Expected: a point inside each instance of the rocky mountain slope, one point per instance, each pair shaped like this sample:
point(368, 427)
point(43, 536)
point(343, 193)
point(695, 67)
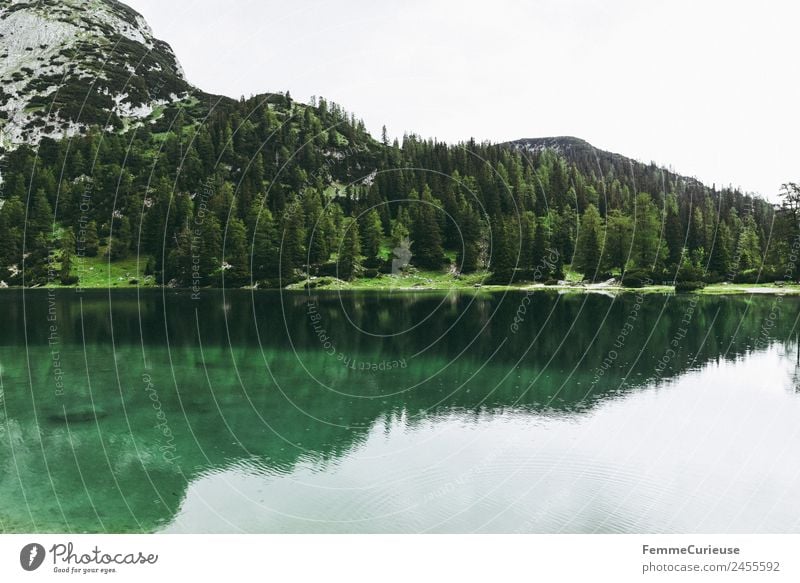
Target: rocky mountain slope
point(67, 65)
point(601, 163)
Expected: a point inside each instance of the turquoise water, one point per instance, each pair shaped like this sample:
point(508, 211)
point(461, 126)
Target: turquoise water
point(377, 412)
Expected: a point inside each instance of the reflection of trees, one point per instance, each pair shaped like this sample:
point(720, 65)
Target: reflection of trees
point(223, 405)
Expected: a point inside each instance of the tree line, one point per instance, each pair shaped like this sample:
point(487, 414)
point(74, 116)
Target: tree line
point(267, 190)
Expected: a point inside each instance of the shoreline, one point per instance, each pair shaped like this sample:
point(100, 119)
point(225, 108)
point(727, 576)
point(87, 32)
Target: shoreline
point(599, 288)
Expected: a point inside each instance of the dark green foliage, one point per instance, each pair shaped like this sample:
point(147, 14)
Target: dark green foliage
point(688, 286)
point(349, 252)
point(426, 234)
point(636, 278)
point(588, 247)
point(261, 189)
point(90, 245)
point(120, 241)
point(371, 231)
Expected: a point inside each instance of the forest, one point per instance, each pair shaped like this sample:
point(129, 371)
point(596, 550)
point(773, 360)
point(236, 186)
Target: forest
point(268, 191)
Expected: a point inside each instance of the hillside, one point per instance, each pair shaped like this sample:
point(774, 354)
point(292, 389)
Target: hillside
point(68, 65)
point(112, 158)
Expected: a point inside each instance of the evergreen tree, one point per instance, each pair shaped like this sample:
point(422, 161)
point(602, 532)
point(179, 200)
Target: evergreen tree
point(719, 262)
point(178, 263)
point(371, 230)
point(207, 245)
point(349, 252)
point(673, 233)
point(67, 246)
point(265, 248)
point(120, 242)
point(12, 217)
point(619, 229)
point(541, 243)
point(400, 230)
point(528, 230)
point(91, 242)
point(40, 220)
point(426, 234)
point(588, 246)
point(469, 253)
point(503, 256)
point(648, 251)
point(293, 249)
point(236, 260)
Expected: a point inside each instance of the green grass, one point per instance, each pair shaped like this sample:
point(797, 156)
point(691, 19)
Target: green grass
point(746, 288)
point(413, 280)
point(99, 272)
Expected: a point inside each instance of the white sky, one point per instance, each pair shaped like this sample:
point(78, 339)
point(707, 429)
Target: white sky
point(710, 88)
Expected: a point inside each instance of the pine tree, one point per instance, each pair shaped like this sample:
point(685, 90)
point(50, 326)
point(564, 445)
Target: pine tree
point(719, 262)
point(67, 246)
point(120, 241)
point(588, 247)
point(673, 232)
point(207, 244)
point(12, 218)
point(40, 221)
point(426, 234)
point(503, 256)
point(236, 260)
point(265, 249)
point(293, 249)
point(541, 243)
point(178, 263)
point(648, 250)
point(371, 230)
point(91, 242)
point(619, 229)
point(528, 229)
point(469, 254)
point(349, 252)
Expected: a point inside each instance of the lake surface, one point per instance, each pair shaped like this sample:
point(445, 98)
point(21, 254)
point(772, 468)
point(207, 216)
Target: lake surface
point(408, 412)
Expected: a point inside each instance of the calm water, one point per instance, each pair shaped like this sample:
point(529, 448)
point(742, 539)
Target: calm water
point(434, 412)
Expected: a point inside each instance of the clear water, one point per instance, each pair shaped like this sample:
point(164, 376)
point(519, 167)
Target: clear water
point(370, 412)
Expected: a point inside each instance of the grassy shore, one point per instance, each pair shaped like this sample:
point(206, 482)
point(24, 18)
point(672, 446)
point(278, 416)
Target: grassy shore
point(422, 281)
point(100, 273)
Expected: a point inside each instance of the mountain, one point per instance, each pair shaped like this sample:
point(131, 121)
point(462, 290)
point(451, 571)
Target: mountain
point(67, 65)
point(175, 186)
point(601, 163)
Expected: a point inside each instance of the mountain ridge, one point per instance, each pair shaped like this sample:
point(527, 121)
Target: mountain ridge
point(590, 158)
point(73, 64)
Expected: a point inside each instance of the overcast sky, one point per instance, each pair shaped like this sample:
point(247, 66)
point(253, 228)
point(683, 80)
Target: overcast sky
point(710, 88)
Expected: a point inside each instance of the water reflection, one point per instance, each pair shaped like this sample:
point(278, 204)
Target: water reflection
point(446, 412)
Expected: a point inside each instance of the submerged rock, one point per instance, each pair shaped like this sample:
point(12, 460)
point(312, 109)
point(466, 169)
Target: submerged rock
point(82, 415)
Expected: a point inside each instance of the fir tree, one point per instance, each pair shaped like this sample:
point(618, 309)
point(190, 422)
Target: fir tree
point(588, 246)
point(371, 230)
point(349, 252)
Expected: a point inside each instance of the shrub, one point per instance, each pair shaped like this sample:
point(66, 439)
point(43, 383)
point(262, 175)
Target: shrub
point(752, 276)
point(328, 268)
point(688, 286)
point(374, 263)
point(636, 278)
point(501, 277)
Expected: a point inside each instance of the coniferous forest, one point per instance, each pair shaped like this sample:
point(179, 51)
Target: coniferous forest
point(268, 191)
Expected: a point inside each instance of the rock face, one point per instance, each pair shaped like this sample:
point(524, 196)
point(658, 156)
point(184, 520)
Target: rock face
point(67, 65)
